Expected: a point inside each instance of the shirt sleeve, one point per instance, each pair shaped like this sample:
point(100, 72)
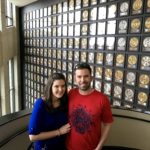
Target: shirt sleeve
point(106, 112)
point(36, 118)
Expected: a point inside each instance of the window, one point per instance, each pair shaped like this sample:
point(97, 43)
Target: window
point(0, 96)
point(11, 86)
point(9, 13)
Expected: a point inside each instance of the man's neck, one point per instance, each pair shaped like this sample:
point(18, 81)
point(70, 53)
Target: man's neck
point(87, 92)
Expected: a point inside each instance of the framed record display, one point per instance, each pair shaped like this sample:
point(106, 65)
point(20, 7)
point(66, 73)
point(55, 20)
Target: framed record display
point(111, 35)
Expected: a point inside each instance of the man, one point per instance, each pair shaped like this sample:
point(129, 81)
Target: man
point(89, 113)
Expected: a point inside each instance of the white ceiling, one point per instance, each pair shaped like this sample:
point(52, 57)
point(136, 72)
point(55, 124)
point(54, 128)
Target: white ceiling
point(21, 3)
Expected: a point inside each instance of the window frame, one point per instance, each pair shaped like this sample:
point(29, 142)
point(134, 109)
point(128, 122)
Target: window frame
point(11, 86)
point(9, 13)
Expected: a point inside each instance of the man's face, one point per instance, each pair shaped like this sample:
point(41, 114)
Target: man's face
point(83, 79)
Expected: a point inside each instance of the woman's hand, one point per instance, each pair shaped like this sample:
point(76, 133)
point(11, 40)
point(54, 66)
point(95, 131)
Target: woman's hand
point(64, 129)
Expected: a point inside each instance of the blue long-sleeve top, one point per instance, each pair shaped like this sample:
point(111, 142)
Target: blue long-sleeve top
point(41, 121)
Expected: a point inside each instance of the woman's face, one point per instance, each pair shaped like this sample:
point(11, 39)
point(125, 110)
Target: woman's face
point(58, 88)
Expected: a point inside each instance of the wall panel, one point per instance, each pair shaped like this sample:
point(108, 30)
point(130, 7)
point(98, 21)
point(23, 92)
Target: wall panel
point(111, 35)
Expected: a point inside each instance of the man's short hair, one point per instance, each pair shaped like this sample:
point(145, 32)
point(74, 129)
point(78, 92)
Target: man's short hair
point(82, 66)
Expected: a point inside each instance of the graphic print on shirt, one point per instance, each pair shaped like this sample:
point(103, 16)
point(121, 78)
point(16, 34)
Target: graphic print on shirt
point(81, 119)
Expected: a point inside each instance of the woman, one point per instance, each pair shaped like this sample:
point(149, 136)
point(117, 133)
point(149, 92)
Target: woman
point(48, 123)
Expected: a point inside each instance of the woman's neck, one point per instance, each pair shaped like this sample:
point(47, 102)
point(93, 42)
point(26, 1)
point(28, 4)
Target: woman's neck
point(55, 102)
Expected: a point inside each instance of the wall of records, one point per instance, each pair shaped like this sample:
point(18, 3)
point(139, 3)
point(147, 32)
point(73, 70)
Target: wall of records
point(113, 36)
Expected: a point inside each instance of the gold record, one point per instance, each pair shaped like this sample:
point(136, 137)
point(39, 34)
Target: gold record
point(78, 3)
point(85, 14)
point(148, 3)
point(85, 2)
point(64, 42)
point(142, 97)
point(112, 9)
point(84, 42)
point(98, 71)
point(147, 23)
point(54, 9)
point(84, 28)
point(70, 42)
point(144, 79)
point(77, 42)
point(132, 60)
point(120, 58)
point(71, 3)
point(99, 57)
point(70, 55)
point(137, 5)
point(93, 1)
point(69, 77)
point(54, 31)
point(41, 61)
point(83, 56)
point(76, 56)
point(134, 42)
point(119, 75)
point(59, 54)
point(108, 73)
point(135, 23)
point(59, 7)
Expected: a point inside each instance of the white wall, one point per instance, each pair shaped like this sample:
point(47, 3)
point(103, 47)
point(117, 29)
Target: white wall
point(9, 48)
point(0, 50)
point(129, 132)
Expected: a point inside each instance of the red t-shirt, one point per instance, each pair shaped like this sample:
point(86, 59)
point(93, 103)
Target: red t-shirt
point(86, 113)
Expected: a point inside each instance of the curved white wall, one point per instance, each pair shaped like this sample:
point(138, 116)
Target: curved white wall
point(129, 131)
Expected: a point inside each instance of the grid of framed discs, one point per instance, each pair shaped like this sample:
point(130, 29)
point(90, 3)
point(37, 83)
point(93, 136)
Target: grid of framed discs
point(113, 36)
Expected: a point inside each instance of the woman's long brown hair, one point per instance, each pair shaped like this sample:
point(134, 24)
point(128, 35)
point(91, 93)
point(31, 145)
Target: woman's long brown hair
point(48, 93)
